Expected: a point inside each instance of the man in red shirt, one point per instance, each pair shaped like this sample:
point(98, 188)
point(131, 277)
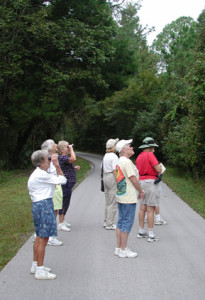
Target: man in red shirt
point(149, 169)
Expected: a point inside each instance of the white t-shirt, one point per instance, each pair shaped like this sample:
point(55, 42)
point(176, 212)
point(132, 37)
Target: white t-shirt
point(110, 160)
point(41, 184)
point(126, 192)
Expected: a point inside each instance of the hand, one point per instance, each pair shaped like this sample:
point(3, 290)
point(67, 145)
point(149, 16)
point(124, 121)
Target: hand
point(141, 194)
point(77, 168)
point(54, 159)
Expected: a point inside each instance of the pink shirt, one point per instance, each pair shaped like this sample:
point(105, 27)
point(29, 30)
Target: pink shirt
point(145, 163)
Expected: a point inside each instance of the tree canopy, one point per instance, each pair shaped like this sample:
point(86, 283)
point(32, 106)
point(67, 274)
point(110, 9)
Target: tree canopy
point(81, 70)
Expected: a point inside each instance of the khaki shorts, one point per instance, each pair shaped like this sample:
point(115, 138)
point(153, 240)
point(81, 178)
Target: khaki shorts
point(58, 198)
point(152, 193)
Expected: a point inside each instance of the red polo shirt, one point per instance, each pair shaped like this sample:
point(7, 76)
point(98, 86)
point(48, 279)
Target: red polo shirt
point(145, 163)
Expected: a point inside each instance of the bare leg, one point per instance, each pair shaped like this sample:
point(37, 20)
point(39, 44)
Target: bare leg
point(39, 250)
point(118, 236)
point(150, 216)
point(61, 218)
point(143, 208)
point(157, 210)
point(124, 238)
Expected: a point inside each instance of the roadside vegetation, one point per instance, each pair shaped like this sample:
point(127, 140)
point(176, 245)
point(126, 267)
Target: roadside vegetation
point(187, 188)
point(16, 224)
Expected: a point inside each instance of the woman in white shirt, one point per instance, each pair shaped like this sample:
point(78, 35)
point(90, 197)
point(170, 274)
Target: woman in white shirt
point(109, 163)
point(41, 186)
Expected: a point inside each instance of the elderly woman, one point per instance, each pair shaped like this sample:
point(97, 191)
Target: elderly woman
point(109, 163)
point(52, 148)
point(149, 169)
point(67, 158)
point(128, 190)
point(41, 186)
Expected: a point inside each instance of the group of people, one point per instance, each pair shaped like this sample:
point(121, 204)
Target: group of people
point(50, 188)
point(126, 183)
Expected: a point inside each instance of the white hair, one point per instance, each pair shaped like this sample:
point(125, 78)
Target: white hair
point(38, 156)
point(47, 145)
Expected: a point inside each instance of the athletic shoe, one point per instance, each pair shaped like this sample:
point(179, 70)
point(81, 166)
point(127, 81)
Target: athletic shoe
point(53, 241)
point(117, 251)
point(63, 227)
point(142, 235)
point(112, 227)
point(33, 269)
point(67, 224)
point(152, 239)
point(160, 222)
point(45, 275)
point(126, 253)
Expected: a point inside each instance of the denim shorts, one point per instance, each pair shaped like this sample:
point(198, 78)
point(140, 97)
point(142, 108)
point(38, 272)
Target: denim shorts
point(44, 218)
point(126, 216)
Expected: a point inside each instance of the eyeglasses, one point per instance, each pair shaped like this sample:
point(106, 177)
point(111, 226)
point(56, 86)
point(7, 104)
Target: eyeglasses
point(49, 158)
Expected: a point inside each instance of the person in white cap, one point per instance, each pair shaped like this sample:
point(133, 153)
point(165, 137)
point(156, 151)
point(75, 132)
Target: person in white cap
point(109, 163)
point(128, 190)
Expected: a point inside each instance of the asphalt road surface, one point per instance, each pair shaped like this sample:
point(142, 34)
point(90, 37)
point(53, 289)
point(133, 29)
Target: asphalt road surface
point(86, 268)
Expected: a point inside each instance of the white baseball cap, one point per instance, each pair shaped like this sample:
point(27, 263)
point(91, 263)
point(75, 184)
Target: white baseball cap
point(111, 143)
point(122, 143)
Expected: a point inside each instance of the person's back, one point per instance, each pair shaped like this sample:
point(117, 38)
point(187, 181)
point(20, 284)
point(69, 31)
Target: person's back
point(145, 163)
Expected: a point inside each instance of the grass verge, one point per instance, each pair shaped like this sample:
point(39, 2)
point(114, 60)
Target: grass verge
point(16, 224)
point(189, 189)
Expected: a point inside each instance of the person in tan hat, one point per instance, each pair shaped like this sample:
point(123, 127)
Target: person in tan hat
point(109, 163)
point(149, 169)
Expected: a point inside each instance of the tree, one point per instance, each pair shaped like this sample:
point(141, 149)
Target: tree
point(50, 54)
point(175, 46)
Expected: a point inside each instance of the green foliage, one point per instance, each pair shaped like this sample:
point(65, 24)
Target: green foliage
point(49, 52)
point(81, 70)
point(175, 44)
point(190, 189)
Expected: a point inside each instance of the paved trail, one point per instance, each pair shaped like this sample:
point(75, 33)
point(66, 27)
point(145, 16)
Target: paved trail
point(86, 268)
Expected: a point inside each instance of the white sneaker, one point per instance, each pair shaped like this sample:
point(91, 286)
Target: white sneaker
point(117, 251)
point(63, 227)
point(53, 241)
point(112, 227)
point(153, 239)
point(67, 224)
point(160, 222)
point(45, 275)
point(127, 253)
point(142, 235)
point(33, 269)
